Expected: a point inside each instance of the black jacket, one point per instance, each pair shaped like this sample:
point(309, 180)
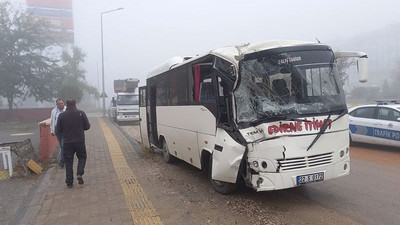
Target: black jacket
point(71, 124)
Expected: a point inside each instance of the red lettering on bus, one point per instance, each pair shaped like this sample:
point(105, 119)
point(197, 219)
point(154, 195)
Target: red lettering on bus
point(315, 124)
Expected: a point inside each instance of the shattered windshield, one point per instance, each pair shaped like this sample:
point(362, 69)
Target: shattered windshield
point(297, 83)
point(128, 100)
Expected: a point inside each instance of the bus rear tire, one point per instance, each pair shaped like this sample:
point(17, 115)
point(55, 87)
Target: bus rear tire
point(220, 186)
point(168, 158)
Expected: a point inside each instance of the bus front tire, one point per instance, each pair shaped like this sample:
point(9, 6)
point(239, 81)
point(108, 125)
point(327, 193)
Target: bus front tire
point(220, 186)
point(168, 158)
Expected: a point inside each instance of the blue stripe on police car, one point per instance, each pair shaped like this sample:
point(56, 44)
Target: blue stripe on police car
point(375, 132)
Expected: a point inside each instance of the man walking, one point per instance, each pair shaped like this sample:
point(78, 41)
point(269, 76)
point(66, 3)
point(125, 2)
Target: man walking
point(53, 122)
point(71, 124)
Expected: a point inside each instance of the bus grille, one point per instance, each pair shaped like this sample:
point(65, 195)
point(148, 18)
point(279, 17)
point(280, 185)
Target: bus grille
point(305, 162)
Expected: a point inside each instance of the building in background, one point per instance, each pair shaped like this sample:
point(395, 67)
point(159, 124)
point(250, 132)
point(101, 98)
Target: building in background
point(58, 14)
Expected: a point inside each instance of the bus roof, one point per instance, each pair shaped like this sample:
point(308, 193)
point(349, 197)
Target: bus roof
point(229, 53)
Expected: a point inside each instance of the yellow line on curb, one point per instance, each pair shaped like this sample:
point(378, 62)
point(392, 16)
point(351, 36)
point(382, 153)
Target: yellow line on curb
point(141, 209)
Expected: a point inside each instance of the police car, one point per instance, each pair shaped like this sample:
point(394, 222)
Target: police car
point(376, 124)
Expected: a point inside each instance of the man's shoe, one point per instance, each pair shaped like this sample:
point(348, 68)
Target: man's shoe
point(61, 165)
point(69, 186)
point(80, 179)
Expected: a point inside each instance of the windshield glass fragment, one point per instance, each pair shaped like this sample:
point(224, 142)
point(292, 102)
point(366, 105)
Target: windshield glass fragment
point(296, 83)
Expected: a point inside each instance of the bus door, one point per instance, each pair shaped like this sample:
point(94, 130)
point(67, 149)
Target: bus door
point(143, 116)
point(228, 152)
point(152, 115)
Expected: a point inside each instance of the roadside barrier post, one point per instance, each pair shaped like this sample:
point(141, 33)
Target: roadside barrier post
point(48, 143)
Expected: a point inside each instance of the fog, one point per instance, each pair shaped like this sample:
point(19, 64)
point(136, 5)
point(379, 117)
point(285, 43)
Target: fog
point(146, 33)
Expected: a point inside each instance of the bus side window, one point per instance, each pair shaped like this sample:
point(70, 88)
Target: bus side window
point(203, 90)
point(206, 90)
point(162, 90)
point(222, 99)
point(178, 87)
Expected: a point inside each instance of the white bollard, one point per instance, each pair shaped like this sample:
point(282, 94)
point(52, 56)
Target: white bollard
point(6, 152)
point(4, 161)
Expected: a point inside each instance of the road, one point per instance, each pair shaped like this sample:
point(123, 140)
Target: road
point(16, 132)
point(369, 195)
point(13, 132)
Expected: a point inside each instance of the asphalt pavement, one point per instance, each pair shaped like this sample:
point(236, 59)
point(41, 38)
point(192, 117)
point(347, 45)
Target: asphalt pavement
point(13, 132)
point(370, 193)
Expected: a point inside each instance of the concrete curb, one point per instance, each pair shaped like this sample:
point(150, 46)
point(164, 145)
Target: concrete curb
point(32, 203)
point(131, 140)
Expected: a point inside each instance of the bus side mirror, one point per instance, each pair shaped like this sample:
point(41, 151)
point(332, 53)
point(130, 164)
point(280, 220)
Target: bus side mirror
point(362, 63)
point(362, 68)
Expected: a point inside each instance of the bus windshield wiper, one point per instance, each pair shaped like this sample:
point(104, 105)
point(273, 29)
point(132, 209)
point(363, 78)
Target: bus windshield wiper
point(323, 129)
point(325, 126)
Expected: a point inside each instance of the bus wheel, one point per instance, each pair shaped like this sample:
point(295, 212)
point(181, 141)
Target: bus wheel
point(220, 186)
point(168, 158)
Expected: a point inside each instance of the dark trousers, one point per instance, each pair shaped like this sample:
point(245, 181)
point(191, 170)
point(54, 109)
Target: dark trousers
point(69, 150)
point(60, 142)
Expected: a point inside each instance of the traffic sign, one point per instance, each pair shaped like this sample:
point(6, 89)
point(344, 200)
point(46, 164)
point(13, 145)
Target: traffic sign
point(103, 95)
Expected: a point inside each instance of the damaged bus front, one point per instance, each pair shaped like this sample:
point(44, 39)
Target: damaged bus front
point(290, 110)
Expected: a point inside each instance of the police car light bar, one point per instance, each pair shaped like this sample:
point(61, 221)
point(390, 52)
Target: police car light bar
point(387, 101)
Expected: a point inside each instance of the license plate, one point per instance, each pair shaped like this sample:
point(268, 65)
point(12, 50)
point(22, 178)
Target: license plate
point(314, 177)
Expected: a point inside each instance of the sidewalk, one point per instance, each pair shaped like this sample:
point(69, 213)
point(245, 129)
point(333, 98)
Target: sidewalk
point(110, 195)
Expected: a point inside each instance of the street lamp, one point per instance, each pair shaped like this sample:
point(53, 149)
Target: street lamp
point(102, 58)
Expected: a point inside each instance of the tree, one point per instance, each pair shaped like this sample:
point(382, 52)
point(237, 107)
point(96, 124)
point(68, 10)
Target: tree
point(25, 67)
point(73, 83)
point(343, 64)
